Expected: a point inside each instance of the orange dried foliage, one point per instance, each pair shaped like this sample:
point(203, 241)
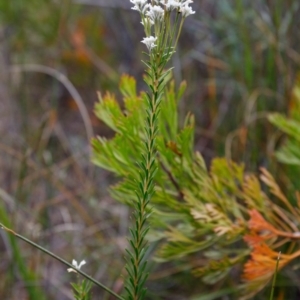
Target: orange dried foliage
point(258, 223)
point(79, 53)
point(263, 262)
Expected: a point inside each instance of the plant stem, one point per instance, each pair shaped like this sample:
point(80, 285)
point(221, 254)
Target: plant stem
point(136, 264)
point(274, 278)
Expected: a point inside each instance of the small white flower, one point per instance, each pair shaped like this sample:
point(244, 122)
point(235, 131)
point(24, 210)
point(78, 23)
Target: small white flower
point(146, 7)
point(171, 4)
point(76, 265)
point(155, 13)
point(150, 42)
point(186, 10)
point(139, 5)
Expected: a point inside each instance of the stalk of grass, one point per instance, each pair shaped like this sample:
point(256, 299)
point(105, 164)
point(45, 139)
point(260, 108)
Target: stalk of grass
point(13, 233)
point(274, 278)
point(67, 84)
point(247, 49)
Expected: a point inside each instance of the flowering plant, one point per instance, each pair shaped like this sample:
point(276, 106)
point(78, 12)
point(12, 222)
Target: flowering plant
point(81, 290)
point(161, 39)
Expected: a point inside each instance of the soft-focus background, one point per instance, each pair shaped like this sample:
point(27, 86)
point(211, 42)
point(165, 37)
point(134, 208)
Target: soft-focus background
point(240, 59)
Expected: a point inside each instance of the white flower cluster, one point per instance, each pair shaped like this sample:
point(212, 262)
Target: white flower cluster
point(156, 11)
point(153, 12)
